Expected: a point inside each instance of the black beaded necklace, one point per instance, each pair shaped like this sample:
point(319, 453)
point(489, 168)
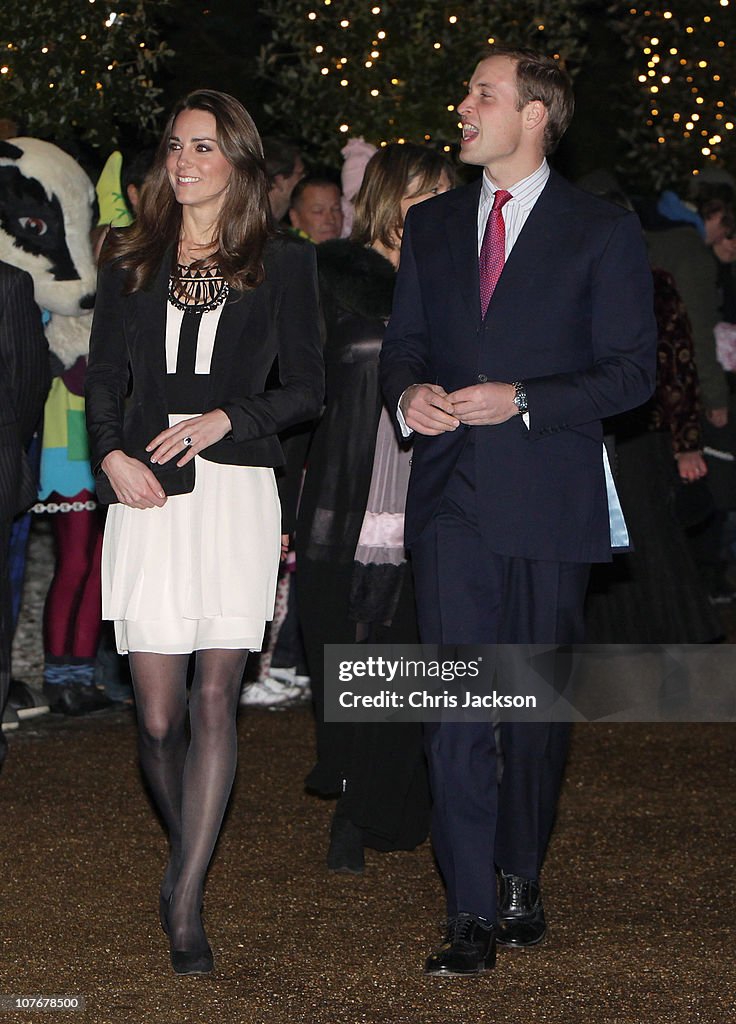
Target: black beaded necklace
point(202, 289)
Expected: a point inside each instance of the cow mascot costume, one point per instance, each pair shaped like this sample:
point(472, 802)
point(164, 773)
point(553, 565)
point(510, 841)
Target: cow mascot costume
point(47, 210)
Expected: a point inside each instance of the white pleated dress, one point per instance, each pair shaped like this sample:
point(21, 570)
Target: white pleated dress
point(200, 572)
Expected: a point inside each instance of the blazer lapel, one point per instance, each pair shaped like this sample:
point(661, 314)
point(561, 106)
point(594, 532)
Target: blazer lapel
point(150, 321)
point(536, 244)
point(230, 328)
point(461, 226)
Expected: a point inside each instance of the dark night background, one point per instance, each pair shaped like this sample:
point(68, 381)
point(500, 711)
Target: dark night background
point(216, 45)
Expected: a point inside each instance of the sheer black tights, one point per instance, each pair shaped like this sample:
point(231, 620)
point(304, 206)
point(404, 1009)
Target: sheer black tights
point(190, 778)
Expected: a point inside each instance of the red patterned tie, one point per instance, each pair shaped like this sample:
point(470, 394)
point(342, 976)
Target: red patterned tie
point(493, 250)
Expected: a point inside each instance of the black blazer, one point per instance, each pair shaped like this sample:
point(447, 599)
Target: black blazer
point(572, 316)
point(126, 379)
point(24, 383)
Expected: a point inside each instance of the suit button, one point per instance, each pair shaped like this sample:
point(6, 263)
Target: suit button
point(482, 378)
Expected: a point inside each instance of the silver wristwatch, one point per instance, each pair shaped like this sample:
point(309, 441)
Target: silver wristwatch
point(520, 400)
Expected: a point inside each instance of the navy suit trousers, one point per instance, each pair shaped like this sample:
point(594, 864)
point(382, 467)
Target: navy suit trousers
point(469, 594)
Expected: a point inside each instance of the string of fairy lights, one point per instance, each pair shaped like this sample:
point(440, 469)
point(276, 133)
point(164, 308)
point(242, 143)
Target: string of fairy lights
point(339, 64)
point(114, 18)
point(677, 65)
point(679, 68)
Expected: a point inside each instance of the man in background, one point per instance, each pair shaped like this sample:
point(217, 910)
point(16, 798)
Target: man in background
point(285, 169)
point(24, 384)
point(316, 209)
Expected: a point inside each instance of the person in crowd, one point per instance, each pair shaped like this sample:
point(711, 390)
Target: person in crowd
point(353, 579)
point(681, 238)
point(195, 302)
point(652, 593)
point(355, 156)
point(136, 166)
point(315, 211)
point(24, 383)
point(522, 316)
point(280, 674)
point(285, 169)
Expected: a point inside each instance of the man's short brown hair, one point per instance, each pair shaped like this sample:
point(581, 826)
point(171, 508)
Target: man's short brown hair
point(539, 77)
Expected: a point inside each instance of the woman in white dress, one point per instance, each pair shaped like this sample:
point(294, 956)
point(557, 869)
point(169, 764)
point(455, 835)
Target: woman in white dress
point(196, 302)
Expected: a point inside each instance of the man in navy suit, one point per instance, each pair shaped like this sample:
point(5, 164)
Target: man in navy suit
point(522, 316)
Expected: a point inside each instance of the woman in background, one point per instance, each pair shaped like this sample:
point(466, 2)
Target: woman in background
point(353, 579)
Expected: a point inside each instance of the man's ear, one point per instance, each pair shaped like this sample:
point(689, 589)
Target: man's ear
point(535, 114)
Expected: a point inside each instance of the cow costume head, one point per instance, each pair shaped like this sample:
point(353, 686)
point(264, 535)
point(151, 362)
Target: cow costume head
point(47, 209)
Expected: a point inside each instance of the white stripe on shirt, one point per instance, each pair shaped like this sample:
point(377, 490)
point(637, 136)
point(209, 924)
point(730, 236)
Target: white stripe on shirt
point(515, 212)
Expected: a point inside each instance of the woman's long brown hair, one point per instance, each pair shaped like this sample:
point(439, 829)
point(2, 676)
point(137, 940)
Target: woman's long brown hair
point(244, 222)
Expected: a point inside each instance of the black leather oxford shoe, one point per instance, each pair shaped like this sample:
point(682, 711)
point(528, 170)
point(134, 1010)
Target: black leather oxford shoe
point(521, 920)
point(469, 948)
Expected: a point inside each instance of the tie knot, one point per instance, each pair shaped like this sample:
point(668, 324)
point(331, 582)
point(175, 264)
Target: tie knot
point(500, 198)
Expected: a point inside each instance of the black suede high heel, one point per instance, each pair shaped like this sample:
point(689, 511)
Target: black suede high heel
point(186, 961)
point(192, 961)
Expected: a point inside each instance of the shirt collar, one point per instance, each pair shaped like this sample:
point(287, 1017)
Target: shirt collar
point(525, 192)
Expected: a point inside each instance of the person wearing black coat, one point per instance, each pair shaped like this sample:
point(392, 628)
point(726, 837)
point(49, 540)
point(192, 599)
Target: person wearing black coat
point(24, 384)
point(353, 580)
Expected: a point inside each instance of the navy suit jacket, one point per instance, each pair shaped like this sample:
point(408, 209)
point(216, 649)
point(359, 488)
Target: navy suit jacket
point(572, 316)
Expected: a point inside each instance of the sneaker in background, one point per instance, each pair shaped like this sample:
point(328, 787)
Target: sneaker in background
point(10, 719)
point(289, 677)
point(26, 700)
point(269, 693)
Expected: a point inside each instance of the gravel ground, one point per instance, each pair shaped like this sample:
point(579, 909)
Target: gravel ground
point(28, 642)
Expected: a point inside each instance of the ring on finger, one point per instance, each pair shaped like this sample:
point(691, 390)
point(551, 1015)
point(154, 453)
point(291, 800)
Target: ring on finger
point(186, 441)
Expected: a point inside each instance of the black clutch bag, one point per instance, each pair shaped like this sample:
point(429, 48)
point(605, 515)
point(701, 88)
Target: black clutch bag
point(173, 479)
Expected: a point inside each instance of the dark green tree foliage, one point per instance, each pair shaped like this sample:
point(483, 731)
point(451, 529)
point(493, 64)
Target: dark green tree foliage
point(391, 69)
point(679, 110)
point(80, 68)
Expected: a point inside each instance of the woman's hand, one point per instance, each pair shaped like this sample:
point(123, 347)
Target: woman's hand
point(691, 466)
point(189, 437)
point(132, 481)
point(285, 538)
